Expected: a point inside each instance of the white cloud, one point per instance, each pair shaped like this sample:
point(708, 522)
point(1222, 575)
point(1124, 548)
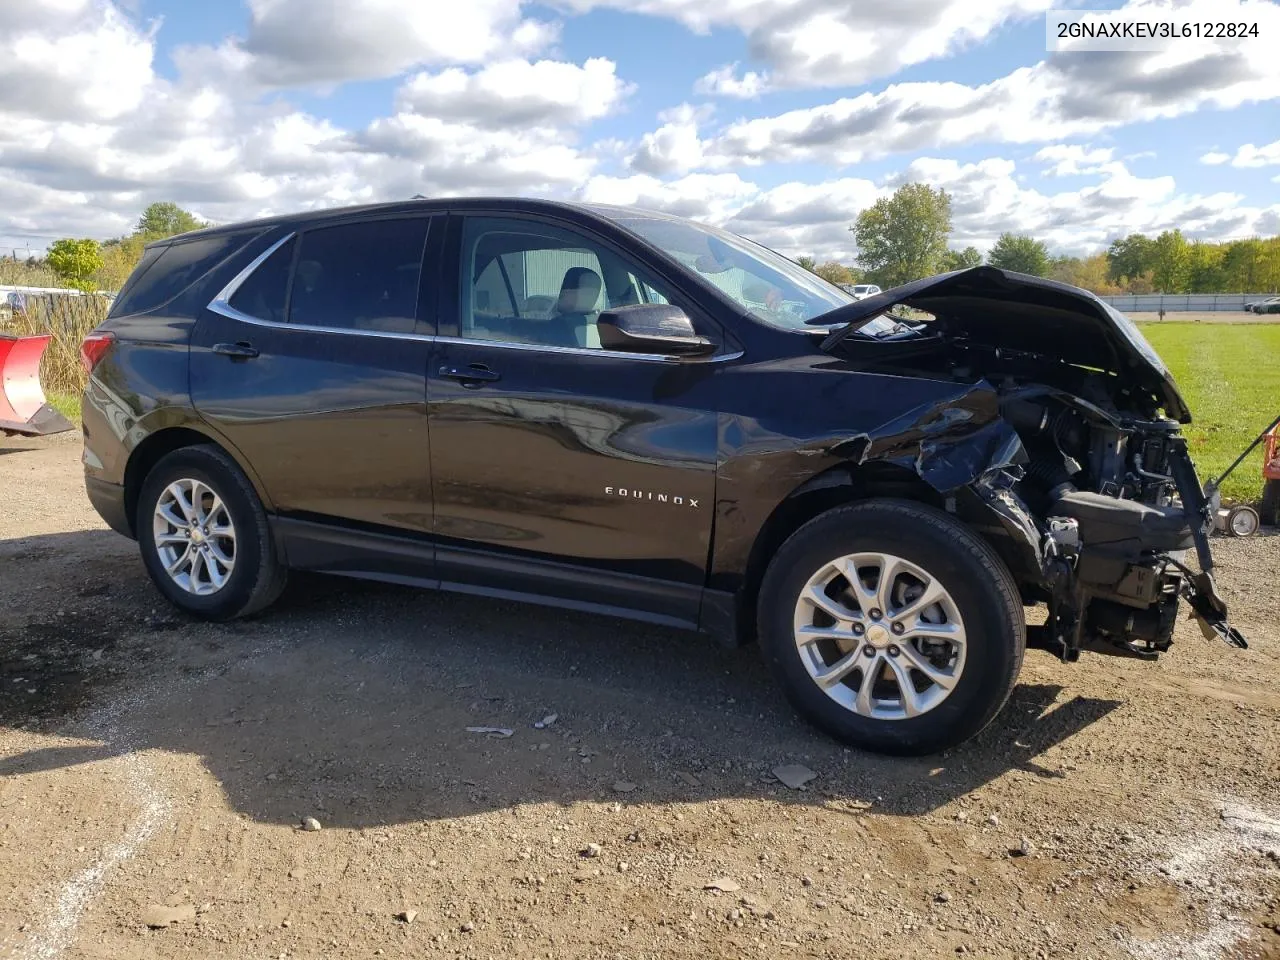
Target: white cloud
point(322, 42)
point(725, 82)
point(1072, 159)
point(103, 134)
point(810, 219)
point(229, 157)
point(1251, 156)
point(413, 153)
point(986, 200)
point(829, 43)
point(513, 93)
point(675, 146)
point(702, 196)
point(1067, 95)
point(71, 59)
point(1247, 155)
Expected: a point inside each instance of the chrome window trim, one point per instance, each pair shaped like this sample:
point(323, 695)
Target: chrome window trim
point(587, 351)
point(221, 305)
point(227, 292)
point(233, 314)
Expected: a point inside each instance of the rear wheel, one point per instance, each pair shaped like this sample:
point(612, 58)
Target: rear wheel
point(204, 536)
point(892, 626)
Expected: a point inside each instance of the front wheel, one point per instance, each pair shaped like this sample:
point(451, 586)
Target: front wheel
point(204, 536)
point(892, 626)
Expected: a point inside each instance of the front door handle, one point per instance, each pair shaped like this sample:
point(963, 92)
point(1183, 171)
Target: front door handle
point(243, 350)
point(470, 376)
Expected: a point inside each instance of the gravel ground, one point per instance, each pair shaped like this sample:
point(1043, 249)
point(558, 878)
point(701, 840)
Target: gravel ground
point(155, 770)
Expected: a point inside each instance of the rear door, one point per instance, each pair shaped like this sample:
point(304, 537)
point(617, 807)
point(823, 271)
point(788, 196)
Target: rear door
point(560, 467)
point(312, 364)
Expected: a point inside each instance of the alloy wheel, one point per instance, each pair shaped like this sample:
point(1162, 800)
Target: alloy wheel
point(880, 636)
point(194, 536)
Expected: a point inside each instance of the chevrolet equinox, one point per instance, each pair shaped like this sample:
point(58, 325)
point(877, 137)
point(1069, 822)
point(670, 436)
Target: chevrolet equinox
point(620, 411)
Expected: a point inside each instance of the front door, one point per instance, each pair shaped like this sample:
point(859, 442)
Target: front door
point(314, 368)
point(560, 467)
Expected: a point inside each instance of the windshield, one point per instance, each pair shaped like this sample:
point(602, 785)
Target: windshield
point(767, 285)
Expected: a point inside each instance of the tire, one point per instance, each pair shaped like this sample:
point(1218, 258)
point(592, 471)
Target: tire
point(256, 576)
point(1270, 509)
point(981, 601)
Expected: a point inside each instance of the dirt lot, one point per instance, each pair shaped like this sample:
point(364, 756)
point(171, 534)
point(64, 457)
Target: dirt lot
point(1115, 808)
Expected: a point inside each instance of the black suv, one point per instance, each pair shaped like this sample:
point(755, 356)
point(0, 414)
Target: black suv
point(615, 410)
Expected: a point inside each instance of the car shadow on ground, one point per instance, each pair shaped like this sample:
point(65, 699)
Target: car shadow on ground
point(351, 702)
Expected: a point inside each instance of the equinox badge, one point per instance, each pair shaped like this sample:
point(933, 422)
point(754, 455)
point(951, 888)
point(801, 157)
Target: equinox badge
point(649, 495)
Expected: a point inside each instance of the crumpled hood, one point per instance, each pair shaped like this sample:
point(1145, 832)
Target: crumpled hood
point(1021, 312)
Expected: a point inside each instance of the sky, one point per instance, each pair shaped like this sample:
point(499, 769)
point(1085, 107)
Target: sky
point(778, 119)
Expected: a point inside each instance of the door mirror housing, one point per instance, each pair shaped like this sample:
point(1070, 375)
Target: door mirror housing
point(651, 328)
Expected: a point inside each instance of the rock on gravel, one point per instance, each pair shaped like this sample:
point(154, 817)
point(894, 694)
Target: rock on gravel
point(157, 916)
point(1024, 849)
point(794, 775)
point(724, 885)
point(494, 733)
point(310, 824)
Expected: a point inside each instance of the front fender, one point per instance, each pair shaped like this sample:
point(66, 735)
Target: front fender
point(951, 436)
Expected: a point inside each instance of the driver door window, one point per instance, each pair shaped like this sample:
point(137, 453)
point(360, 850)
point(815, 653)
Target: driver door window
point(538, 284)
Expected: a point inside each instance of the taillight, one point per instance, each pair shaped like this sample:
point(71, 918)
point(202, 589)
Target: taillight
point(93, 348)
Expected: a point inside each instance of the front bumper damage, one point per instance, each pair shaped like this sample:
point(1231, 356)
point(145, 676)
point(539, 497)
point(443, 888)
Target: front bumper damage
point(1111, 571)
point(1117, 597)
point(1107, 555)
point(1200, 590)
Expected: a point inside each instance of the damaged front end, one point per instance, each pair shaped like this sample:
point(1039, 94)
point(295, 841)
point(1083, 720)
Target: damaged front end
point(1111, 508)
point(1087, 488)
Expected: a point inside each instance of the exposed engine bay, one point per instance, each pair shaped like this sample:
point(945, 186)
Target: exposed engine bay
point(1122, 508)
point(1095, 489)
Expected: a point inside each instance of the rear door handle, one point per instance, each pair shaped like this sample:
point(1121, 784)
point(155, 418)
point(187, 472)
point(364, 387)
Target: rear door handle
point(470, 376)
point(243, 350)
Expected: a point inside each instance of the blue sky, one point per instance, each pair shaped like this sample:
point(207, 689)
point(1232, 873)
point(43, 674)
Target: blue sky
point(776, 118)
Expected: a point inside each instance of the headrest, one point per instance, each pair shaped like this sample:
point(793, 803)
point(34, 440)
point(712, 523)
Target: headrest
point(579, 291)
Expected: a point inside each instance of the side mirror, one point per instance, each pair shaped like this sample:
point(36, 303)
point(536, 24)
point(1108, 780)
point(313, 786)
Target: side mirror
point(650, 328)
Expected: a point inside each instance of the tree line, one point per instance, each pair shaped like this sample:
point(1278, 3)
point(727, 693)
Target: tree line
point(906, 236)
point(86, 264)
point(900, 238)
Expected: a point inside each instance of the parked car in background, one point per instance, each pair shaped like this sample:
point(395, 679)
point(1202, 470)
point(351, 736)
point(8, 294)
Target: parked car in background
point(619, 411)
point(1270, 305)
point(860, 290)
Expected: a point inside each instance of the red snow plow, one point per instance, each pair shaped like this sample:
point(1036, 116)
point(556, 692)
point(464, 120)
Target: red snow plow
point(22, 404)
point(1271, 477)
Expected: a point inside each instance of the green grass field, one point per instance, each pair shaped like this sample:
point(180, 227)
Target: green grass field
point(67, 404)
point(1230, 378)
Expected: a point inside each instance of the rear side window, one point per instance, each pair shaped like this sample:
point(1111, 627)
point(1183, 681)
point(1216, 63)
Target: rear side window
point(165, 272)
point(359, 276)
point(262, 295)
